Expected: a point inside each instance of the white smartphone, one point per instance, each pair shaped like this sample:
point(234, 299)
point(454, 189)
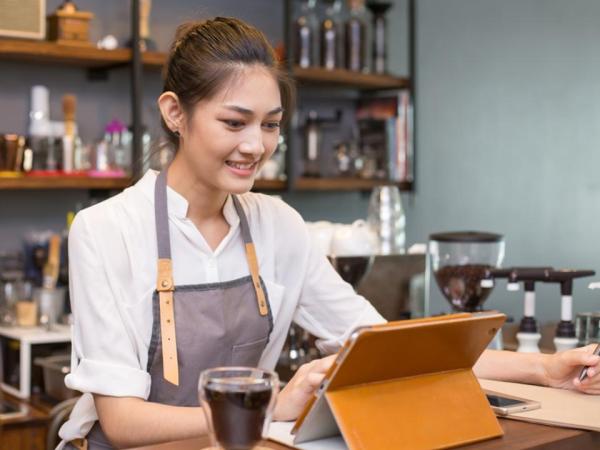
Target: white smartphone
point(504, 405)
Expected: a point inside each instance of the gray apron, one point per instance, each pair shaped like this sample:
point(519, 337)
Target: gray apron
point(211, 325)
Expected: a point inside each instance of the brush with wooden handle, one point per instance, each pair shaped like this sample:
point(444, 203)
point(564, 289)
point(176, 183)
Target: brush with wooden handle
point(52, 266)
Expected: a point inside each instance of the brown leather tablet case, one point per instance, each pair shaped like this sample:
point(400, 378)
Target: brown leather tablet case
point(407, 384)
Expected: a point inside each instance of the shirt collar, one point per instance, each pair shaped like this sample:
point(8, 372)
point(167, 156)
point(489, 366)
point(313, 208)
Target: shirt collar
point(177, 204)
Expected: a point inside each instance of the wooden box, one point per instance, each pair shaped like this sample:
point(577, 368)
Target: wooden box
point(70, 27)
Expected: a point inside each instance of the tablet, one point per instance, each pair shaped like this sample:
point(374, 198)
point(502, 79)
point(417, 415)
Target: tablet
point(402, 350)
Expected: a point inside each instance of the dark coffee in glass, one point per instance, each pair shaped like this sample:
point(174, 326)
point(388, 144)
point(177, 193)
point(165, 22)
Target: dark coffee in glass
point(237, 403)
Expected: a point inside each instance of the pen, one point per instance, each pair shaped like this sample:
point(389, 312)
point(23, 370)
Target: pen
point(583, 373)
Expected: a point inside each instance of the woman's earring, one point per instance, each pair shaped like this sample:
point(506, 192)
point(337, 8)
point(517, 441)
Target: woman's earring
point(176, 133)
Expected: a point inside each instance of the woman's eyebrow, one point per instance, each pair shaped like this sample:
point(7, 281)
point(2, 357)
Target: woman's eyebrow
point(249, 112)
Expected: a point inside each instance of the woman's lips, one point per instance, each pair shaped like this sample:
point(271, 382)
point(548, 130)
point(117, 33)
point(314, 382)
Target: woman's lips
point(243, 169)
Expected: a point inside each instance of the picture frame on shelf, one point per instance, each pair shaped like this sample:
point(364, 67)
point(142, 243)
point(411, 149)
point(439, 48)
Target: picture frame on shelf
point(24, 19)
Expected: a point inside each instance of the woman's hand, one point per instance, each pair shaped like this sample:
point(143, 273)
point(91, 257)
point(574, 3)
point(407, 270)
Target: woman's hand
point(300, 388)
point(562, 370)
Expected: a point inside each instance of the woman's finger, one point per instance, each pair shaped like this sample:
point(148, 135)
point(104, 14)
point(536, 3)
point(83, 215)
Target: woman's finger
point(322, 365)
point(309, 375)
point(590, 385)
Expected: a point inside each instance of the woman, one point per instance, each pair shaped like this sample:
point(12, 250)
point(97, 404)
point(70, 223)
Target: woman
point(136, 358)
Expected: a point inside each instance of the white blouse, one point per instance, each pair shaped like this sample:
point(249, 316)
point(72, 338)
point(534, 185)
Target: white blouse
point(113, 264)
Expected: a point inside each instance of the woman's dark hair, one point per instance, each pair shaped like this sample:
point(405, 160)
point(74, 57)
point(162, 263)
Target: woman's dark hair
point(206, 54)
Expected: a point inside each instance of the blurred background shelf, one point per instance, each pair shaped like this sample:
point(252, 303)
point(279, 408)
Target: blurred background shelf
point(50, 52)
point(313, 75)
point(154, 60)
point(66, 182)
point(347, 78)
point(62, 182)
point(345, 184)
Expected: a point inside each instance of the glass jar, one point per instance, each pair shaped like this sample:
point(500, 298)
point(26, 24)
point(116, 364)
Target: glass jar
point(460, 261)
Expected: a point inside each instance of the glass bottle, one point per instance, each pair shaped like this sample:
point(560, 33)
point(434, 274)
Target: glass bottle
point(379, 32)
point(387, 220)
point(356, 37)
point(331, 35)
point(304, 35)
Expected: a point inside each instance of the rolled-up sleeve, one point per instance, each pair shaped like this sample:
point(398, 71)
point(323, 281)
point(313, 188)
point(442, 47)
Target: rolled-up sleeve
point(105, 352)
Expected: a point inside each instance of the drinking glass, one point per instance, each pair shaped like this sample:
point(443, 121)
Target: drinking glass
point(387, 220)
point(238, 403)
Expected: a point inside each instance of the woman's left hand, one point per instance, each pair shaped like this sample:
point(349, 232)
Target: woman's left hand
point(562, 370)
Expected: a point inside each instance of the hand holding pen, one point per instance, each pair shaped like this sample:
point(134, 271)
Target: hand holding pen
point(584, 371)
point(563, 369)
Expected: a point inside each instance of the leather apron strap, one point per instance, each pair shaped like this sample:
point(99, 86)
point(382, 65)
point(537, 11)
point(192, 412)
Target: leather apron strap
point(164, 282)
point(263, 309)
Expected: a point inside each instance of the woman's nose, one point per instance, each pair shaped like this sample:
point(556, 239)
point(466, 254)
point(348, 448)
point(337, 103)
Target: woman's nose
point(252, 143)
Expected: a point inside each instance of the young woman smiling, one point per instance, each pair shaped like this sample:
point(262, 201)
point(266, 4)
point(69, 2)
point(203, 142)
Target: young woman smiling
point(194, 236)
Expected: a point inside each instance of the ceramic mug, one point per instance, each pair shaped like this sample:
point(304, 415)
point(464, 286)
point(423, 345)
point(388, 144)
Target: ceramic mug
point(321, 234)
point(356, 239)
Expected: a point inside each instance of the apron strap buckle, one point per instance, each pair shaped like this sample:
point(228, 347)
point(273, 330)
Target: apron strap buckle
point(164, 279)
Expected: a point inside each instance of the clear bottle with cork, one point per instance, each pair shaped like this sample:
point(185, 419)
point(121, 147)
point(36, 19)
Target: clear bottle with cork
point(305, 26)
point(69, 141)
point(39, 140)
point(331, 35)
point(356, 37)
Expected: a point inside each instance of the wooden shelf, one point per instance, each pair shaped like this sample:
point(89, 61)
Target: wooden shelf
point(344, 184)
point(63, 182)
point(154, 60)
point(49, 52)
point(339, 77)
point(269, 185)
point(347, 78)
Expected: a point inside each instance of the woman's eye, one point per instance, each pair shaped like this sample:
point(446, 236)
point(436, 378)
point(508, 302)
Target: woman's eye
point(272, 125)
point(233, 123)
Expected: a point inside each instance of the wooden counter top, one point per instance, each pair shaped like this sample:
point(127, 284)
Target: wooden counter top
point(517, 436)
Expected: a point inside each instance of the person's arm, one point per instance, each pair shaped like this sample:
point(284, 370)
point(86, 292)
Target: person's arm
point(133, 422)
point(556, 370)
point(326, 306)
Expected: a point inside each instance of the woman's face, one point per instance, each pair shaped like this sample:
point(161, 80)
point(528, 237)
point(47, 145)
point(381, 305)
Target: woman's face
point(228, 138)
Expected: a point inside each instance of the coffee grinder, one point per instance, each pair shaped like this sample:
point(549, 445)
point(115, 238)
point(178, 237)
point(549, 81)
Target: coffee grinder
point(566, 337)
point(461, 261)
